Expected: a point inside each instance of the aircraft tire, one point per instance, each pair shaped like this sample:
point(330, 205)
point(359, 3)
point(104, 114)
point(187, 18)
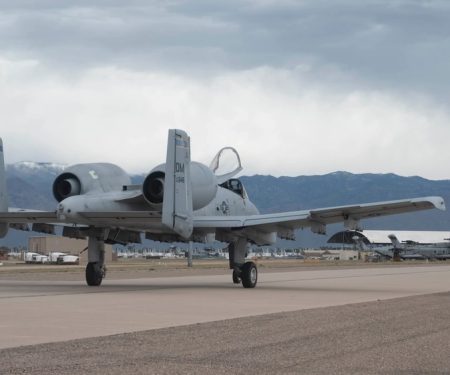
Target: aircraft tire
point(249, 275)
point(236, 278)
point(94, 274)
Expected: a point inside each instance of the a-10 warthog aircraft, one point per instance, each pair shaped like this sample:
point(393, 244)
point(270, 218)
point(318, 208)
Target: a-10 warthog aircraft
point(180, 200)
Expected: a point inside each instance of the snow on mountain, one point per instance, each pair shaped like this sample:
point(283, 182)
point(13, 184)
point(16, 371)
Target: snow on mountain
point(36, 167)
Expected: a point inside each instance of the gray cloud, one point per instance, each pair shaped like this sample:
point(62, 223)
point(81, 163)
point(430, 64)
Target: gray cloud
point(358, 86)
point(400, 45)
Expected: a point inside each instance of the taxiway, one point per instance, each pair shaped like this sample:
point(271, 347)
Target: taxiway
point(35, 312)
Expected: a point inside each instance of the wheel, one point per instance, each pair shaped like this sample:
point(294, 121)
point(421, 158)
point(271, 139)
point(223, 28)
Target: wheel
point(236, 278)
point(94, 274)
point(249, 275)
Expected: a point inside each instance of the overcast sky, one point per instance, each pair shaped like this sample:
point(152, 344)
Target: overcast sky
point(297, 87)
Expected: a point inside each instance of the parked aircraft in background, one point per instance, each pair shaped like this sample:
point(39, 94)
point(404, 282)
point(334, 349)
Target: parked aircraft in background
point(415, 250)
point(181, 200)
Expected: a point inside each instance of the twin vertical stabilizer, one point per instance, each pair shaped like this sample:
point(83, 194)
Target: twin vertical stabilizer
point(3, 192)
point(177, 204)
point(395, 241)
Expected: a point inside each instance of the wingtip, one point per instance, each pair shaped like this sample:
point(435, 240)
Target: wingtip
point(438, 202)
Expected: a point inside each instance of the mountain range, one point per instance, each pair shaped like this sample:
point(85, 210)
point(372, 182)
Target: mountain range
point(29, 185)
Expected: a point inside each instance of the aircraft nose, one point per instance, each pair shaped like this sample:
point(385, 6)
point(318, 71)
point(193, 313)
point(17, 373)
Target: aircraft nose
point(60, 212)
point(63, 211)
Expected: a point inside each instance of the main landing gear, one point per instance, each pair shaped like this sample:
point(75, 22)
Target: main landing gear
point(94, 274)
point(95, 269)
point(247, 275)
point(243, 272)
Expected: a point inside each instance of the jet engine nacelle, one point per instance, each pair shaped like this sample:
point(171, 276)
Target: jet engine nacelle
point(85, 178)
point(203, 184)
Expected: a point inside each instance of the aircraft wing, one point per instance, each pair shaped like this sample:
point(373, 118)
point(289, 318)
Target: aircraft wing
point(318, 218)
point(21, 215)
point(282, 222)
point(19, 218)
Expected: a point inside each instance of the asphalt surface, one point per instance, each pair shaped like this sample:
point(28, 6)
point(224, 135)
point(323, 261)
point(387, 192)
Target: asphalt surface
point(400, 336)
point(385, 334)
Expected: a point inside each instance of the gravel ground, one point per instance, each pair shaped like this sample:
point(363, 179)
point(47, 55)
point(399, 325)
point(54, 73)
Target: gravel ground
point(401, 336)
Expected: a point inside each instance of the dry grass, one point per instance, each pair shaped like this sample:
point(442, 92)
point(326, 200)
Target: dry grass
point(199, 264)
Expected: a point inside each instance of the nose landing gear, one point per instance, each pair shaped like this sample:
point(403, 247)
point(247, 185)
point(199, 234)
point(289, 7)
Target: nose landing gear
point(95, 269)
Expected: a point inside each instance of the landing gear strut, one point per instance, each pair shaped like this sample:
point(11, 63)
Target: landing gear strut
point(243, 272)
point(95, 269)
point(236, 277)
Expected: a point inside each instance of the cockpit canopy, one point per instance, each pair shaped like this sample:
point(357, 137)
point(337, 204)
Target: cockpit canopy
point(226, 164)
point(234, 185)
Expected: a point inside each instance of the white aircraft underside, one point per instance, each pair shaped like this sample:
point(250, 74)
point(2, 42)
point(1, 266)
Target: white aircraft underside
point(178, 201)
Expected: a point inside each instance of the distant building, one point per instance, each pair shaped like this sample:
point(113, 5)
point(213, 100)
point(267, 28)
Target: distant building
point(341, 255)
point(4, 253)
point(46, 244)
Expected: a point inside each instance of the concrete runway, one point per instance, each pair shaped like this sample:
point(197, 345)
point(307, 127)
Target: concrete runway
point(34, 312)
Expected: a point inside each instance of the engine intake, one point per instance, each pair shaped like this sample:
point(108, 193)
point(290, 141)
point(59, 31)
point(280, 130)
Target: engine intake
point(153, 187)
point(65, 186)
